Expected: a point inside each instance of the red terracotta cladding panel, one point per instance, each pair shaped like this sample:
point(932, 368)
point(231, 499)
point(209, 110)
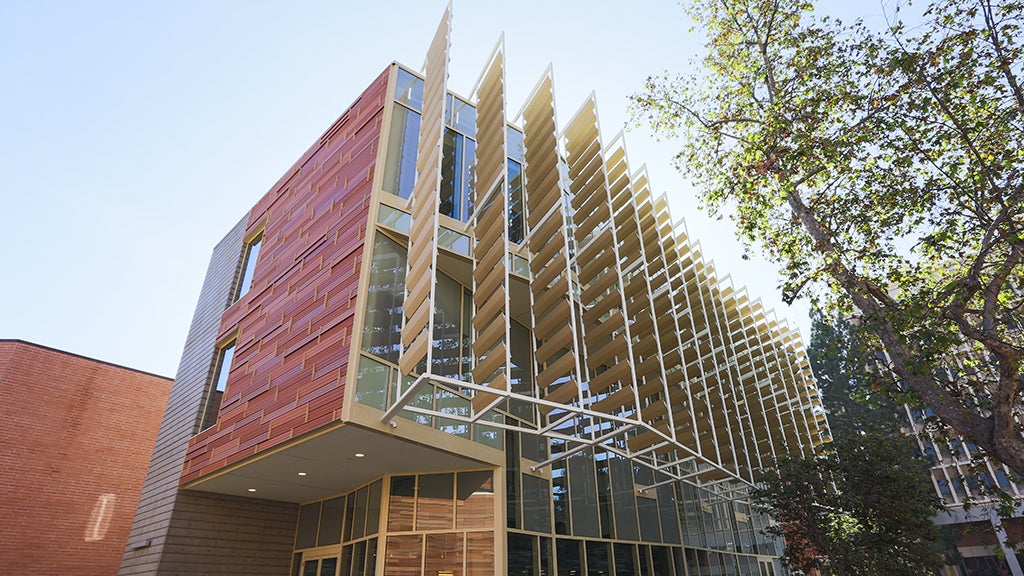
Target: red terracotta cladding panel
point(76, 436)
point(295, 323)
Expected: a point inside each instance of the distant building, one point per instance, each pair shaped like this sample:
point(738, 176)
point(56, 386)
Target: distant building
point(980, 543)
point(76, 436)
point(445, 343)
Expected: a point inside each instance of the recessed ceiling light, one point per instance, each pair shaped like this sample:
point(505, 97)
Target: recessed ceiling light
point(302, 473)
point(252, 489)
point(360, 454)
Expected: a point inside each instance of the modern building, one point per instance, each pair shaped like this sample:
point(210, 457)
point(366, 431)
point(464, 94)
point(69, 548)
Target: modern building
point(76, 435)
point(450, 341)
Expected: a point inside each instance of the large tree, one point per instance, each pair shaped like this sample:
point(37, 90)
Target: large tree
point(883, 168)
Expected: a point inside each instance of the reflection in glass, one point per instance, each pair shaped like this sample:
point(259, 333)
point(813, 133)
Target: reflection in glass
point(604, 493)
point(443, 555)
point(400, 166)
point(401, 503)
point(359, 523)
point(220, 379)
point(513, 513)
point(435, 502)
point(409, 89)
point(521, 372)
point(516, 147)
point(330, 522)
point(252, 254)
point(560, 496)
point(623, 499)
point(402, 555)
point(667, 508)
point(516, 228)
point(373, 508)
point(394, 218)
point(474, 505)
point(480, 553)
point(447, 352)
point(536, 504)
point(584, 495)
point(372, 383)
point(382, 327)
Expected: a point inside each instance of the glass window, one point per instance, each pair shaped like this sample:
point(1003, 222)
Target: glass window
point(400, 166)
point(452, 188)
point(516, 146)
point(461, 115)
point(625, 560)
point(516, 226)
point(520, 554)
point(560, 496)
point(220, 383)
point(584, 495)
point(373, 508)
point(647, 509)
point(330, 522)
point(435, 502)
point(474, 505)
point(604, 493)
point(346, 561)
point(568, 553)
point(444, 554)
point(401, 503)
point(328, 566)
point(598, 558)
point(521, 371)
point(623, 499)
point(372, 383)
point(382, 327)
point(536, 504)
point(359, 515)
point(447, 354)
point(480, 554)
point(252, 254)
point(403, 555)
point(409, 89)
point(512, 486)
point(667, 510)
point(394, 218)
point(309, 518)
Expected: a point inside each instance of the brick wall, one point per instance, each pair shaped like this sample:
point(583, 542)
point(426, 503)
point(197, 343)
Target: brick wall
point(295, 324)
point(76, 435)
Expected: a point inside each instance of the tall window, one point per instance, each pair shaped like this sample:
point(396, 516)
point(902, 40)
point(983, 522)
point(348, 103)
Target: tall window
point(220, 381)
point(252, 254)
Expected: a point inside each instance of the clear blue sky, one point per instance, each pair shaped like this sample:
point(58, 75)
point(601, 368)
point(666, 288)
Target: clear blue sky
point(134, 134)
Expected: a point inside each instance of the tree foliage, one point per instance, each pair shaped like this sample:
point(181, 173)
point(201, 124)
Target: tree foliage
point(865, 507)
point(884, 171)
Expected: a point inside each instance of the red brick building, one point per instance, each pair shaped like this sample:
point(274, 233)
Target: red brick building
point(76, 435)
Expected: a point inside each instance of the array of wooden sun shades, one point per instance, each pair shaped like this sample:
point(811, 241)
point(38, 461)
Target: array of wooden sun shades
point(637, 345)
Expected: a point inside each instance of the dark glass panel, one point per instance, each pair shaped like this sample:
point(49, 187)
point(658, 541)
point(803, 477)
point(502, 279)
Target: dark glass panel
point(358, 558)
point(444, 554)
point(480, 553)
point(647, 510)
point(521, 372)
point(220, 383)
point(584, 495)
point(403, 555)
point(467, 336)
point(547, 559)
point(330, 522)
point(451, 174)
point(604, 493)
point(350, 514)
point(512, 486)
point(382, 327)
point(346, 561)
point(667, 509)
point(534, 447)
point(661, 560)
point(371, 557)
point(310, 568)
point(520, 554)
point(516, 226)
point(400, 166)
point(401, 503)
point(309, 518)
point(447, 353)
point(435, 502)
point(474, 505)
point(568, 552)
point(462, 117)
point(642, 553)
point(536, 504)
point(296, 564)
point(359, 521)
point(372, 383)
point(598, 558)
point(625, 563)
point(409, 89)
point(623, 500)
point(560, 496)
point(373, 508)
point(677, 561)
point(328, 566)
